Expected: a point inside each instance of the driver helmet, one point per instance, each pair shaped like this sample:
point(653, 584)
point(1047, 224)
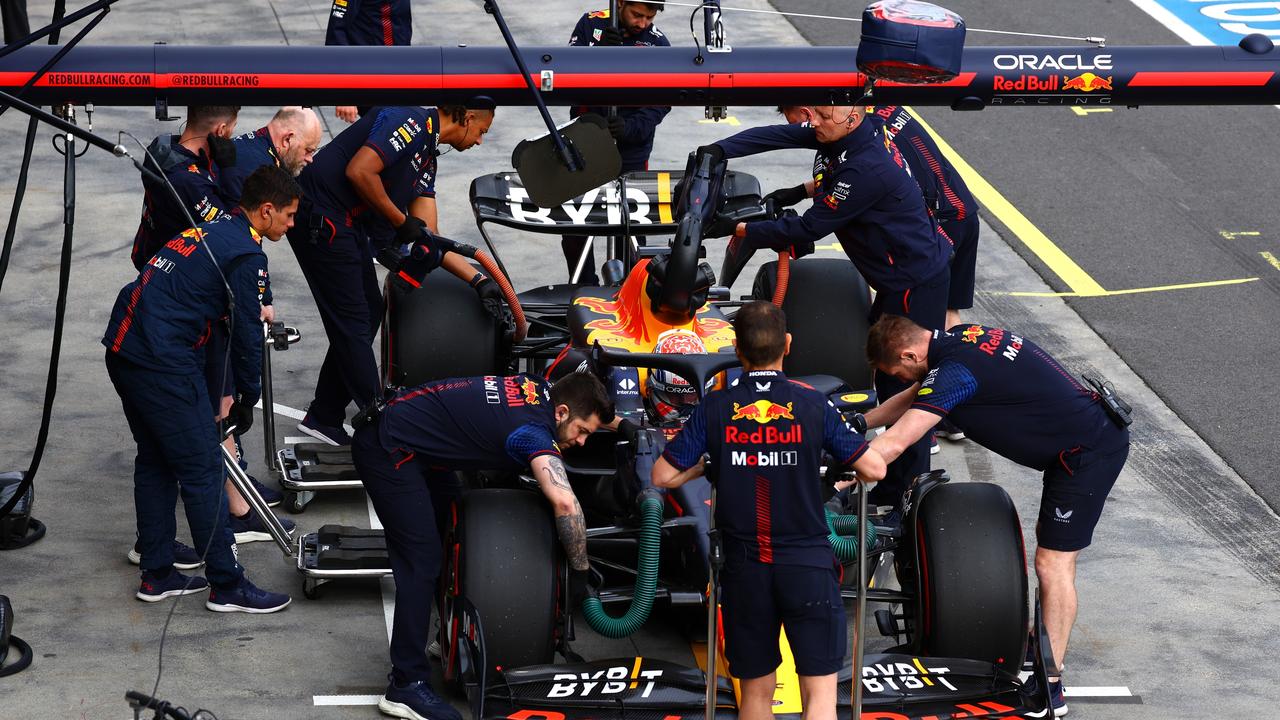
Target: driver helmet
point(670, 398)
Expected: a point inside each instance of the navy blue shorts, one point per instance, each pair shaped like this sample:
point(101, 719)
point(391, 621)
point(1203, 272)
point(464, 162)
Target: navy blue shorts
point(964, 236)
point(1075, 489)
point(758, 599)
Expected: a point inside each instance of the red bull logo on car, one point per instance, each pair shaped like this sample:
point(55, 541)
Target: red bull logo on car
point(763, 411)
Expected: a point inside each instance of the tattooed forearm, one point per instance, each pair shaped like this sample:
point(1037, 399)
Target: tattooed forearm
point(573, 536)
point(559, 477)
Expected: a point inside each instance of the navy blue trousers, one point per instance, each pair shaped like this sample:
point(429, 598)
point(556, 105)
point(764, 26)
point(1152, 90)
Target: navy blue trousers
point(413, 502)
point(926, 304)
point(338, 264)
point(177, 453)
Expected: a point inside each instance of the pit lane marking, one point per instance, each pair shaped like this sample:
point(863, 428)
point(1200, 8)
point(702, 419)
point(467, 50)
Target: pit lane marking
point(1131, 291)
point(730, 120)
point(1229, 235)
point(344, 700)
point(1084, 112)
point(1271, 259)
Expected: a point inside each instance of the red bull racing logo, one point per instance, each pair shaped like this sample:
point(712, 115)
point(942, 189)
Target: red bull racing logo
point(763, 411)
point(1087, 82)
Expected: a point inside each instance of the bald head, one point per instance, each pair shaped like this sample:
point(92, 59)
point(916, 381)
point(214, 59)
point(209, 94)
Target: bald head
point(296, 133)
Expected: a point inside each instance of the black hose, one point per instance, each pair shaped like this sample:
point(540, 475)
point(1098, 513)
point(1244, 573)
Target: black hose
point(18, 195)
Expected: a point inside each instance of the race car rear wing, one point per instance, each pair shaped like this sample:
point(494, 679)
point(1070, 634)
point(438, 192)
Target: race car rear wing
point(650, 195)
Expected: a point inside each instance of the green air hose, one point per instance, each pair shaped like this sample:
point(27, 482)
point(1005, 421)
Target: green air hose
point(842, 526)
point(646, 579)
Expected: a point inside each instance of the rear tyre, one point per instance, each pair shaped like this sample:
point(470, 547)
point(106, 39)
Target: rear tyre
point(437, 331)
point(827, 305)
point(973, 576)
point(506, 564)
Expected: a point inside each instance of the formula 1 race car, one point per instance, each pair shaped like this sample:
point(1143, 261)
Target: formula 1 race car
point(959, 605)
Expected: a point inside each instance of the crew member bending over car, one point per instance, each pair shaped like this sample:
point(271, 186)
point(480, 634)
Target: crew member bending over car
point(406, 457)
point(374, 184)
point(867, 198)
point(155, 358)
point(1011, 397)
point(632, 128)
point(779, 568)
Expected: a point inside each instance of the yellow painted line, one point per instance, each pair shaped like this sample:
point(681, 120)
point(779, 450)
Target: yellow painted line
point(664, 197)
point(1271, 259)
point(635, 673)
point(1228, 235)
point(835, 246)
point(730, 120)
point(1136, 291)
point(1084, 112)
point(1074, 276)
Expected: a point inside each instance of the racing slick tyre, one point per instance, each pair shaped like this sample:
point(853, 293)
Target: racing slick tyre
point(504, 552)
point(827, 304)
point(436, 331)
point(972, 576)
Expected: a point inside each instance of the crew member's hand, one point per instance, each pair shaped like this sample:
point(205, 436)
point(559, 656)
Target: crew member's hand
point(240, 416)
point(610, 37)
point(490, 295)
point(268, 313)
point(347, 113)
point(787, 197)
point(719, 227)
point(222, 151)
point(411, 230)
point(578, 587)
point(617, 126)
point(715, 151)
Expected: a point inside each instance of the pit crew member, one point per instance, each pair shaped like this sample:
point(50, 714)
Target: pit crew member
point(766, 436)
point(289, 140)
point(632, 128)
point(374, 181)
point(367, 22)
point(155, 358)
point(192, 162)
point(1011, 397)
point(406, 457)
point(867, 198)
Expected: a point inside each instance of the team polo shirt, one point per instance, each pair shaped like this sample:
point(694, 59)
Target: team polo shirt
point(1010, 396)
point(766, 436)
point(474, 423)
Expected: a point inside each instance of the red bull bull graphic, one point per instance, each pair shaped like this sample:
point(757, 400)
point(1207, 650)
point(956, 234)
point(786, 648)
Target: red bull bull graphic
point(530, 389)
point(627, 322)
point(971, 334)
point(763, 411)
point(1087, 82)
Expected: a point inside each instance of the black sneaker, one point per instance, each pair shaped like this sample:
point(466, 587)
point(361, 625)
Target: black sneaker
point(184, 558)
point(1057, 698)
point(249, 528)
point(415, 701)
point(246, 598)
point(155, 589)
point(272, 496)
point(335, 436)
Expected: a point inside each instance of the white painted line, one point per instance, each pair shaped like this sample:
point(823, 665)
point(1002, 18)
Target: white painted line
point(1177, 25)
point(1101, 691)
point(388, 582)
point(344, 700)
point(297, 414)
point(295, 439)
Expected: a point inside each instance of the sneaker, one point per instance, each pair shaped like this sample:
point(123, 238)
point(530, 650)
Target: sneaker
point(272, 496)
point(933, 445)
point(184, 557)
point(416, 701)
point(249, 528)
point(246, 598)
point(155, 588)
point(1057, 697)
point(335, 436)
point(948, 431)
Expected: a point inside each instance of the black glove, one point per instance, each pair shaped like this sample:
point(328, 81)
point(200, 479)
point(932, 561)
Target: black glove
point(720, 227)
point(617, 126)
point(222, 151)
point(610, 37)
point(240, 416)
point(578, 587)
point(787, 197)
point(715, 151)
point(858, 422)
point(490, 295)
point(411, 230)
point(628, 429)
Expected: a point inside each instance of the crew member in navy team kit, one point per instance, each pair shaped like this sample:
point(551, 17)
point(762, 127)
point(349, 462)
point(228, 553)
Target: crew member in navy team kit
point(192, 162)
point(406, 457)
point(946, 197)
point(867, 198)
point(371, 188)
point(779, 567)
point(290, 140)
point(1011, 397)
point(632, 128)
point(367, 23)
point(155, 358)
